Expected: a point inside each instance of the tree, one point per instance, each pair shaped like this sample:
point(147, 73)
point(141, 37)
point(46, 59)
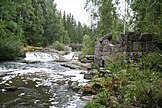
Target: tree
point(147, 16)
point(106, 18)
point(10, 31)
point(36, 23)
point(88, 45)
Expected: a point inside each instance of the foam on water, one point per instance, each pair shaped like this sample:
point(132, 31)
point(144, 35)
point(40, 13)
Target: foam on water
point(76, 76)
point(38, 56)
point(48, 74)
point(70, 56)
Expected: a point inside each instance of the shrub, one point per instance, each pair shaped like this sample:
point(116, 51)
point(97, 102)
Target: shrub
point(115, 62)
point(10, 49)
point(129, 85)
point(152, 60)
point(58, 45)
point(94, 104)
point(88, 45)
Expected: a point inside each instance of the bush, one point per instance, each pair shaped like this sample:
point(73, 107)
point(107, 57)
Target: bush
point(58, 46)
point(88, 46)
point(94, 104)
point(10, 49)
point(129, 85)
point(152, 60)
point(115, 62)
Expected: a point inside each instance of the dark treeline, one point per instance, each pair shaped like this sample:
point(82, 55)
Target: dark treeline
point(36, 23)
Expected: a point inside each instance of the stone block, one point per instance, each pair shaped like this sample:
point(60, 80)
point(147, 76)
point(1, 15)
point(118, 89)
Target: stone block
point(120, 39)
point(137, 46)
point(146, 37)
point(105, 42)
point(133, 55)
point(107, 36)
point(159, 46)
point(150, 46)
point(132, 36)
point(128, 46)
point(117, 48)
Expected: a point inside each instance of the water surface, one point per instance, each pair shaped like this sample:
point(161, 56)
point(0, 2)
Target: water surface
point(40, 83)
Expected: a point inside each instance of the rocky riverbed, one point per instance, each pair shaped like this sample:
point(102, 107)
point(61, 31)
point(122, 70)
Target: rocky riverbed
point(38, 81)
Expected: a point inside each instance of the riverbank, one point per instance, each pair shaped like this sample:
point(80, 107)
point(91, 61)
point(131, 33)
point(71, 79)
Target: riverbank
point(127, 85)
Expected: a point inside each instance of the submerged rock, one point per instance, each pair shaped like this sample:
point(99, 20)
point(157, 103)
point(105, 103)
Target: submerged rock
point(12, 88)
point(74, 86)
point(71, 66)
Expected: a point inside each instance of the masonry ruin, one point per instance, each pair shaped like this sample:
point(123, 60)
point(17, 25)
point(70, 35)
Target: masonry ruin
point(131, 44)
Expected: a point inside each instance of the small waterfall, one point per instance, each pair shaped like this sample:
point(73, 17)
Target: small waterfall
point(38, 56)
point(70, 56)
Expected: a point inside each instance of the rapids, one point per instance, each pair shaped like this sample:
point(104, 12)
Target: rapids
point(40, 84)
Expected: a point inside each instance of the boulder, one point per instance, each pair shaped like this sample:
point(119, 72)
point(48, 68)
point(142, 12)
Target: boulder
point(90, 89)
point(87, 90)
point(96, 87)
point(90, 74)
point(60, 82)
point(74, 86)
point(88, 98)
point(90, 57)
point(103, 72)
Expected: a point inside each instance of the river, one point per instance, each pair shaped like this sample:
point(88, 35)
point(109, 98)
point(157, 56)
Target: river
point(40, 83)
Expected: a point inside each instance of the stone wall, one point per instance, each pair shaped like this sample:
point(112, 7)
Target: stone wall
point(132, 44)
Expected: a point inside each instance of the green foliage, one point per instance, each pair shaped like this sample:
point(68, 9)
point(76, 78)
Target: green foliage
point(115, 62)
point(140, 88)
point(58, 45)
point(104, 16)
point(65, 38)
point(94, 104)
point(36, 23)
point(10, 49)
point(88, 45)
point(152, 60)
point(142, 10)
point(132, 85)
point(75, 30)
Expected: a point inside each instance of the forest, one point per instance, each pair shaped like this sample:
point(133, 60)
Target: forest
point(38, 23)
point(35, 23)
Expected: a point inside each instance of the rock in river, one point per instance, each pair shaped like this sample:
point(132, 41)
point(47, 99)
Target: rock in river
point(12, 88)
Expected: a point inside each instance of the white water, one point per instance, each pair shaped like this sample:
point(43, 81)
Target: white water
point(45, 74)
point(38, 56)
point(70, 56)
point(76, 76)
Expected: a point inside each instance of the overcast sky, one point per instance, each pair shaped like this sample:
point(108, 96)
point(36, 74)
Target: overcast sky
point(76, 7)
